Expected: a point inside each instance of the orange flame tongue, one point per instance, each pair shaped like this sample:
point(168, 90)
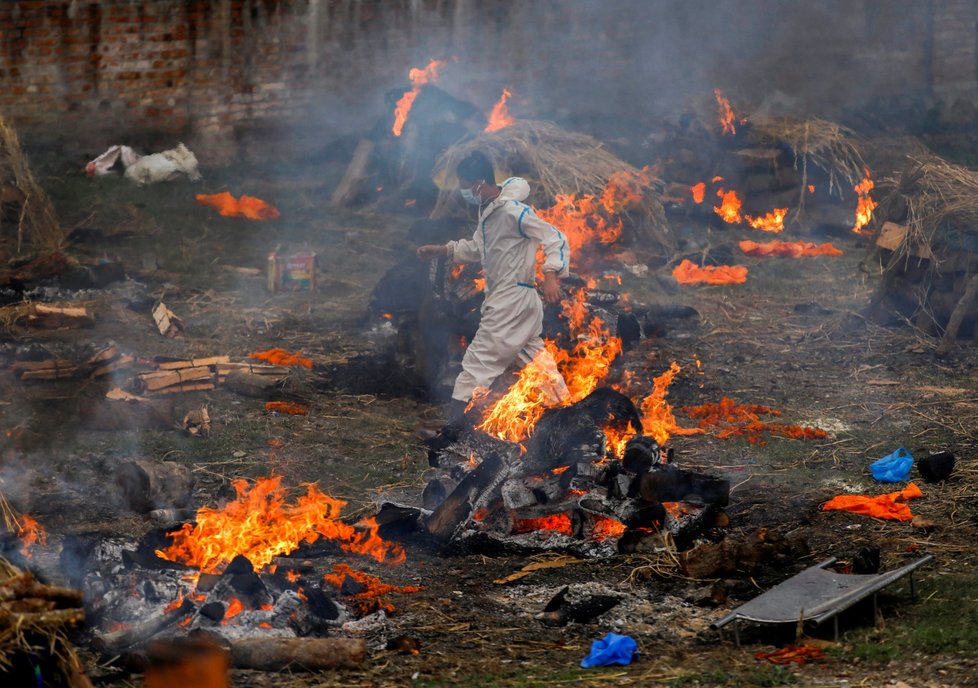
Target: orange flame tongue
point(418, 77)
point(864, 204)
point(771, 222)
point(699, 192)
point(260, 524)
point(731, 419)
point(729, 208)
point(30, 533)
point(726, 113)
point(375, 588)
point(514, 415)
point(500, 118)
point(688, 272)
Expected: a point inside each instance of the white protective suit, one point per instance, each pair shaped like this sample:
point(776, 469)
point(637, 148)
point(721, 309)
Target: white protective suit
point(506, 241)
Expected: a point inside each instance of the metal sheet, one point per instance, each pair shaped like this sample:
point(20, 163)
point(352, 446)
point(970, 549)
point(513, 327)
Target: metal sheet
point(815, 594)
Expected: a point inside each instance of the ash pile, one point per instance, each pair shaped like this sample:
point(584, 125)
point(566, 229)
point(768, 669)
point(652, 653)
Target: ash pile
point(565, 489)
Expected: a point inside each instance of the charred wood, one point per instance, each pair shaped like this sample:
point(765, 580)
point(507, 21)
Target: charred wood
point(667, 483)
point(459, 505)
point(113, 642)
point(148, 485)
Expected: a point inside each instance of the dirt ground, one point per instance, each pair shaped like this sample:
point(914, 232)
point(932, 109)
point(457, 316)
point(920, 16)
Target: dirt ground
point(790, 338)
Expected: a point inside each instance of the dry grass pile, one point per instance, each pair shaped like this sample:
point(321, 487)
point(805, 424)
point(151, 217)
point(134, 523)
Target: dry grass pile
point(829, 146)
point(553, 160)
point(37, 225)
point(938, 203)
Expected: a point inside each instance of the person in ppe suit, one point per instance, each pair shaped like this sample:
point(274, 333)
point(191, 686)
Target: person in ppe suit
point(505, 241)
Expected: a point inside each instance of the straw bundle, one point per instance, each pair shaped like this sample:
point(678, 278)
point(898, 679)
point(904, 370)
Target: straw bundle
point(827, 145)
point(553, 160)
point(37, 223)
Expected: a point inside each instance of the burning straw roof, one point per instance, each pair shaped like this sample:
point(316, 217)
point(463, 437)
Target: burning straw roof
point(37, 224)
point(554, 160)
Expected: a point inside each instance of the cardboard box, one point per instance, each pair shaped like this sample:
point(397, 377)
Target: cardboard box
point(292, 273)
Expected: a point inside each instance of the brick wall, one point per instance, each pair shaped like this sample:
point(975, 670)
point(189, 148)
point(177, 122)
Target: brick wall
point(110, 68)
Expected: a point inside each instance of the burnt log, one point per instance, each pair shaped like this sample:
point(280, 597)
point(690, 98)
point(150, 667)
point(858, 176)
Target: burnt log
point(574, 434)
point(459, 505)
point(633, 513)
point(149, 485)
point(641, 454)
point(297, 654)
point(111, 643)
point(670, 484)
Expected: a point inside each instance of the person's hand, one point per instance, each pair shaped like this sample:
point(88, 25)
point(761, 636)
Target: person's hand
point(551, 288)
point(429, 251)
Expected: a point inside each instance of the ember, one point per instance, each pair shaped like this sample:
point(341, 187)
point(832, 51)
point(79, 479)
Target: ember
point(793, 249)
point(729, 208)
point(418, 77)
point(688, 272)
point(864, 204)
point(289, 407)
point(500, 118)
point(260, 525)
point(560, 523)
point(605, 528)
point(283, 357)
point(247, 206)
point(373, 589)
point(733, 419)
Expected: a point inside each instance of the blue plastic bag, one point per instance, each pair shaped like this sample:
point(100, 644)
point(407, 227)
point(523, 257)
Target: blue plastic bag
point(893, 468)
point(612, 649)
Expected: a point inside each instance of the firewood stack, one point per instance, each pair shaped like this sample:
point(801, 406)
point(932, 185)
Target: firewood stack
point(35, 617)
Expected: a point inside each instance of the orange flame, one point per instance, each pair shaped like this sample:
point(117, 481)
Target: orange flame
point(726, 113)
point(688, 272)
point(864, 203)
point(794, 249)
point(699, 192)
point(247, 206)
point(418, 77)
point(560, 523)
point(811, 188)
point(30, 533)
point(515, 414)
point(234, 608)
point(500, 118)
point(375, 588)
point(284, 358)
point(732, 419)
point(771, 222)
point(624, 190)
point(260, 524)
point(729, 208)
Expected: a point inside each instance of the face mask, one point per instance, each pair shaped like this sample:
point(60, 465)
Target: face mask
point(470, 197)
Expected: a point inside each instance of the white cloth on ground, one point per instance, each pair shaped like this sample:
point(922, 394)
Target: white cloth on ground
point(505, 241)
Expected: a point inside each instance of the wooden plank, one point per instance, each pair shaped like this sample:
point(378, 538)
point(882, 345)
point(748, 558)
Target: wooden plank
point(150, 382)
point(186, 387)
point(177, 364)
point(168, 324)
point(120, 363)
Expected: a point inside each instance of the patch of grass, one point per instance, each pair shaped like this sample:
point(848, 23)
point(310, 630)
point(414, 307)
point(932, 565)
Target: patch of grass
point(943, 620)
point(770, 676)
point(706, 678)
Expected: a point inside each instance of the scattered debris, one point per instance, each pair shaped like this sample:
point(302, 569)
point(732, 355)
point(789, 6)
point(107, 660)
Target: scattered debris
point(892, 468)
point(147, 169)
point(888, 506)
point(936, 467)
point(197, 422)
point(558, 562)
point(610, 650)
point(792, 654)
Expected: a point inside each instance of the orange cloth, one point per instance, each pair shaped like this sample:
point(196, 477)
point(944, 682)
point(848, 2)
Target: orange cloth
point(795, 249)
point(248, 206)
point(888, 506)
point(787, 655)
point(689, 272)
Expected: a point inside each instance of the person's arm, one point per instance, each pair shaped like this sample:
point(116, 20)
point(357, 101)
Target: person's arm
point(460, 251)
point(556, 251)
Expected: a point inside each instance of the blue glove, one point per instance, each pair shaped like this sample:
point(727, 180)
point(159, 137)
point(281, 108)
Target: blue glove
point(892, 468)
point(612, 649)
